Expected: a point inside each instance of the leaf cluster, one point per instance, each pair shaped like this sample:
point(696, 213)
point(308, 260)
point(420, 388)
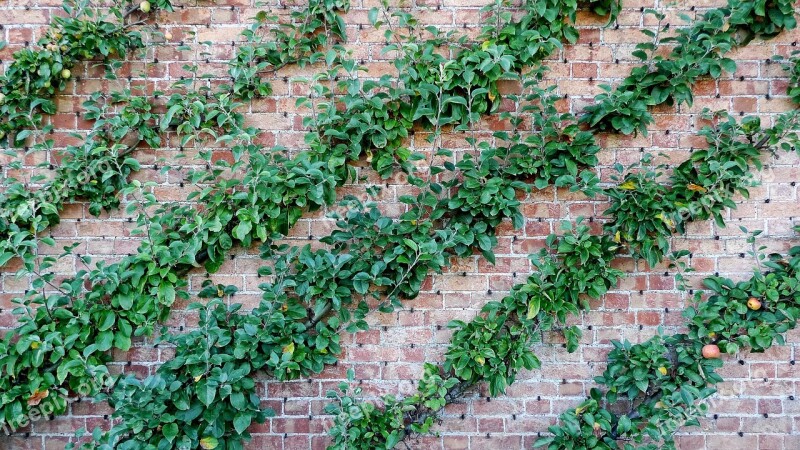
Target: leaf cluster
point(36, 75)
point(698, 52)
point(645, 212)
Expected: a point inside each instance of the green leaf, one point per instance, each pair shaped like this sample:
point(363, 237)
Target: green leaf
point(209, 443)
point(107, 321)
point(242, 422)
point(167, 119)
point(242, 231)
point(206, 394)
point(361, 282)
point(372, 15)
point(533, 307)
point(225, 241)
point(166, 293)
point(170, 431)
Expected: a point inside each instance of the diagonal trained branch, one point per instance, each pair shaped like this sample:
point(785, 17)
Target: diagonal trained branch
point(129, 298)
point(34, 77)
point(661, 392)
point(191, 113)
point(698, 52)
point(496, 344)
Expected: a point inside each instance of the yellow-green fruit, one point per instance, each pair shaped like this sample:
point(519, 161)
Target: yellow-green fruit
point(66, 74)
point(145, 7)
point(168, 36)
point(2, 98)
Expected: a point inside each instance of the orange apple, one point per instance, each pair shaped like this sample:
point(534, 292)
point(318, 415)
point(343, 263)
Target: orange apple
point(711, 351)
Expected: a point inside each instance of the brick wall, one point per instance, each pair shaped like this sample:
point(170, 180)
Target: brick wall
point(756, 406)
